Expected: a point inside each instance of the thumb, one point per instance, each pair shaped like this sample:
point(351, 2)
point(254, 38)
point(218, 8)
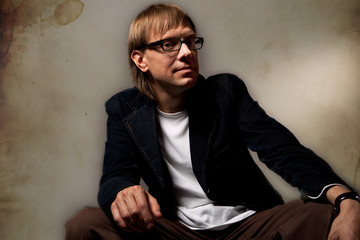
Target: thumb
point(154, 206)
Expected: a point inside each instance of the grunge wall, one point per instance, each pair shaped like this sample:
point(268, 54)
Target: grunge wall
point(61, 59)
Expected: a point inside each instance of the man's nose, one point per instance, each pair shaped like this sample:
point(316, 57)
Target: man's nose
point(184, 50)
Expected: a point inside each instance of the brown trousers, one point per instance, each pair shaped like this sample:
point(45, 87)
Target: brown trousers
point(292, 221)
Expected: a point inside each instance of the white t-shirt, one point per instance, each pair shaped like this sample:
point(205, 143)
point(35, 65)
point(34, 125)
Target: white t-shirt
point(194, 209)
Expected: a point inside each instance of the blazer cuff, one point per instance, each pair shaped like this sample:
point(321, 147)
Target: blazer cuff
point(321, 195)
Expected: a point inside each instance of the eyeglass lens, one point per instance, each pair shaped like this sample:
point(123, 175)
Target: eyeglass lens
point(174, 44)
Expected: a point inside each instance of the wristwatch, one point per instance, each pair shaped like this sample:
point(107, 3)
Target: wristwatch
point(347, 195)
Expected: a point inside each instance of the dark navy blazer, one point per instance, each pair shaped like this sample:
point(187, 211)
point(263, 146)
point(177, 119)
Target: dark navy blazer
point(224, 122)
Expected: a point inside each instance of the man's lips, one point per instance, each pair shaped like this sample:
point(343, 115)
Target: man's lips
point(186, 68)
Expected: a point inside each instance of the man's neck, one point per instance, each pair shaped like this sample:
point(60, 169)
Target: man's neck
point(171, 105)
point(169, 99)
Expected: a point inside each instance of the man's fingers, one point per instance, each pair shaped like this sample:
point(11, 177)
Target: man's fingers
point(134, 209)
point(122, 216)
point(118, 218)
point(131, 212)
point(144, 209)
point(154, 206)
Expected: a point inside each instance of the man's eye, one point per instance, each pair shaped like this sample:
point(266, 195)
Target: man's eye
point(197, 41)
point(169, 44)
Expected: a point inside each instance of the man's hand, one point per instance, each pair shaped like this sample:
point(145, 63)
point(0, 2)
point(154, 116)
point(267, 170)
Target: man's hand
point(346, 225)
point(134, 209)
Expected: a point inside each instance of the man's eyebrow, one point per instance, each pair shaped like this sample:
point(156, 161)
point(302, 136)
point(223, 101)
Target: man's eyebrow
point(181, 36)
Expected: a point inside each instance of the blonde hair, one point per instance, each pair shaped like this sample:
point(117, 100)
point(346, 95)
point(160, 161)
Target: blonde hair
point(156, 19)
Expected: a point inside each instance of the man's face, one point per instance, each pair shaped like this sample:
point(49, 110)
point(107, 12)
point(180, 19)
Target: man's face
point(172, 72)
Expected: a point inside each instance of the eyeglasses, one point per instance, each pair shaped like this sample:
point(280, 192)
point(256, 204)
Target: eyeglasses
point(174, 44)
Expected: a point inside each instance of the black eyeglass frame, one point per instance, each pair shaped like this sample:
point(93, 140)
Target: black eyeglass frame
point(160, 43)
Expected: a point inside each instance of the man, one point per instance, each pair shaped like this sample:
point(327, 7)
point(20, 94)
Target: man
point(188, 137)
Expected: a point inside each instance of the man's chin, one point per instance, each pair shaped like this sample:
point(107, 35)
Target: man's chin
point(190, 82)
point(191, 78)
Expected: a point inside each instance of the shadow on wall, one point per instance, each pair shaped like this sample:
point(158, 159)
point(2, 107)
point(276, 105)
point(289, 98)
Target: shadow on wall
point(60, 60)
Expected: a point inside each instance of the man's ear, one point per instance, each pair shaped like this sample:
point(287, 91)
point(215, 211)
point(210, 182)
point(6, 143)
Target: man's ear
point(138, 58)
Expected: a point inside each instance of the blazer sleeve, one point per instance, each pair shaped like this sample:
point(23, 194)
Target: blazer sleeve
point(277, 147)
point(119, 168)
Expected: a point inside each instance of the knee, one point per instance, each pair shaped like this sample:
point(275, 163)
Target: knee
point(81, 225)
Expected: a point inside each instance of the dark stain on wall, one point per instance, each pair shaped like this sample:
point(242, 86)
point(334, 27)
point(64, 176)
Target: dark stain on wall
point(27, 13)
point(16, 16)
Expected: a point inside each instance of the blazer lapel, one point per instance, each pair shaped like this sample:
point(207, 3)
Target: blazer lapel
point(142, 128)
point(202, 125)
point(201, 138)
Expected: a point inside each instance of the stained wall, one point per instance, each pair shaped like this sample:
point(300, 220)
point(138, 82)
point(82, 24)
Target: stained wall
point(60, 61)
